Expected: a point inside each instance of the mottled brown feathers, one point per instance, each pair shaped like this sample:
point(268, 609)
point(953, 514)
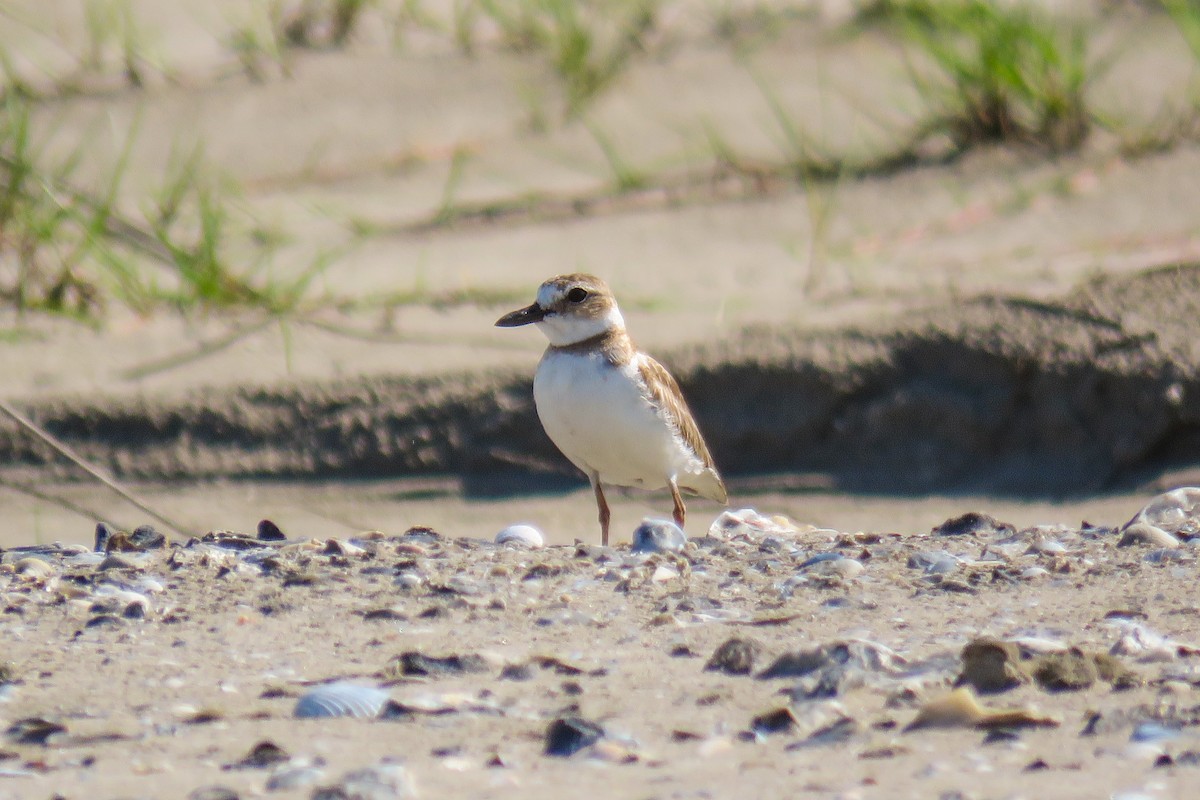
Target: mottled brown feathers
point(664, 393)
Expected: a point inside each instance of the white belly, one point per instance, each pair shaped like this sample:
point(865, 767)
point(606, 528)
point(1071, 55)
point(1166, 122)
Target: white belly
point(599, 417)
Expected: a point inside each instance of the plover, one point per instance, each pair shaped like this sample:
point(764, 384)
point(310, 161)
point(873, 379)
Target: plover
point(613, 411)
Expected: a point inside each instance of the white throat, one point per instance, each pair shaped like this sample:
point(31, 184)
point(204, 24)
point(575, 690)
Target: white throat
point(567, 329)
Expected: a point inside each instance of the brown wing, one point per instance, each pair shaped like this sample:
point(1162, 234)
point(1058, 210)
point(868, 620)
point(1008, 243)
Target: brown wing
point(665, 394)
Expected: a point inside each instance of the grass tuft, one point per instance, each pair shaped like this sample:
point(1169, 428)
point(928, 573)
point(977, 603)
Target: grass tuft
point(1186, 14)
point(588, 45)
point(72, 252)
point(322, 23)
point(626, 177)
point(1001, 71)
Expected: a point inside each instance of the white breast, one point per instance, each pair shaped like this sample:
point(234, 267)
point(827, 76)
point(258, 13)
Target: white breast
point(600, 418)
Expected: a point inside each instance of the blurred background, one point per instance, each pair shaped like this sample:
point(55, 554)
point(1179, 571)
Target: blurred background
point(181, 173)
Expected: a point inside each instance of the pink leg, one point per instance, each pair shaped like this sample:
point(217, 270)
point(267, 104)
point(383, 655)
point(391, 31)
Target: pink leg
point(602, 504)
point(680, 510)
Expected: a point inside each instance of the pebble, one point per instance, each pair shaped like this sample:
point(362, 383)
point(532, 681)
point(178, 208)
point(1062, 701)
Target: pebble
point(934, 562)
point(856, 654)
point(268, 531)
point(417, 663)
point(385, 781)
point(117, 561)
point(1153, 732)
point(213, 793)
point(734, 657)
point(992, 665)
point(973, 523)
point(566, 736)
point(837, 566)
point(658, 536)
point(287, 778)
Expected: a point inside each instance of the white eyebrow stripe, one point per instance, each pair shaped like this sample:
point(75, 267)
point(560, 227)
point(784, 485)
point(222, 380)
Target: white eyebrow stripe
point(547, 295)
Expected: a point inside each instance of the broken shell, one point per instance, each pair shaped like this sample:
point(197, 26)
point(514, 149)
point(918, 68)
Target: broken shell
point(416, 663)
point(337, 547)
point(859, 654)
point(748, 522)
point(960, 709)
point(662, 573)
point(1176, 512)
point(34, 567)
point(341, 699)
point(1148, 645)
point(658, 536)
point(1145, 533)
point(521, 536)
point(833, 565)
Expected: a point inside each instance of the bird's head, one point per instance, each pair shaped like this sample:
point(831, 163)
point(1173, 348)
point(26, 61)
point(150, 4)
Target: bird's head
point(569, 309)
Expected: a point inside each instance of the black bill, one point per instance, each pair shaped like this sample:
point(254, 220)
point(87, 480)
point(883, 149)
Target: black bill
point(522, 316)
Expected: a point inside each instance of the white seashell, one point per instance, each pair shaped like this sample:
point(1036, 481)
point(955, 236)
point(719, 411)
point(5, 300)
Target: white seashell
point(1147, 645)
point(521, 535)
point(748, 522)
point(847, 568)
point(1051, 547)
point(663, 573)
point(1173, 511)
point(149, 585)
point(1039, 645)
point(88, 560)
point(121, 597)
point(341, 699)
point(408, 581)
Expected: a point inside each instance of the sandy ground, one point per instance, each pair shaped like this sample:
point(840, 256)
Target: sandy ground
point(167, 699)
point(355, 148)
point(346, 508)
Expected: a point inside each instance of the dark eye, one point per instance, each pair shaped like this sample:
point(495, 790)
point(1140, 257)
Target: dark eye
point(577, 295)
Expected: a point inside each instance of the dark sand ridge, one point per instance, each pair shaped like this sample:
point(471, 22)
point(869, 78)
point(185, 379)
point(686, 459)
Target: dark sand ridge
point(1093, 392)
